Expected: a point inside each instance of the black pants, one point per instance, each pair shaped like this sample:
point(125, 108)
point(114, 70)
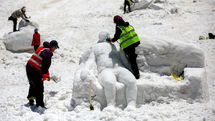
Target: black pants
point(36, 88)
point(14, 22)
point(132, 56)
point(126, 3)
point(35, 47)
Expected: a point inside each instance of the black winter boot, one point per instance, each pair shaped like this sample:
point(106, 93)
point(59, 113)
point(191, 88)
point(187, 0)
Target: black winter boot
point(31, 102)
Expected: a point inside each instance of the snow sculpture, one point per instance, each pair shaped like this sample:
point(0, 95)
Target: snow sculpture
point(102, 65)
point(20, 41)
point(156, 60)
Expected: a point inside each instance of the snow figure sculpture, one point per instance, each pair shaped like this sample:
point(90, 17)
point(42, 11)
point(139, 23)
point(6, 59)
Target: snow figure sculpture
point(102, 65)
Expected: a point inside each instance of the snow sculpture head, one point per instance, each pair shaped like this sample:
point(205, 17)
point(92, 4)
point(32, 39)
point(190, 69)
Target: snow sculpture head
point(103, 35)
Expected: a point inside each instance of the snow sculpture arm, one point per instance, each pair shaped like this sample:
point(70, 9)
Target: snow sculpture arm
point(89, 69)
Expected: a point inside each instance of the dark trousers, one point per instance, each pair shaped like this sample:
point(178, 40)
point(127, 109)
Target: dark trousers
point(14, 22)
point(36, 88)
point(126, 3)
point(132, 56)
point(35, 47)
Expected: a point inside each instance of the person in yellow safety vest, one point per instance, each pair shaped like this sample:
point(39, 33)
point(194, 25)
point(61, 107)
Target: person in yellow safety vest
point(127, 3)
point(37, 71)
point(129, 40)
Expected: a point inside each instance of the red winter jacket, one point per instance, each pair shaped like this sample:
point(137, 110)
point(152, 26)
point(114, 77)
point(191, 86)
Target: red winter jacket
point(36, 39)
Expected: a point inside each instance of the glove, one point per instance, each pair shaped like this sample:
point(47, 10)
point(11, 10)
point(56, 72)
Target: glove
point(109, 40)
point(27, 20)
point(46, 77)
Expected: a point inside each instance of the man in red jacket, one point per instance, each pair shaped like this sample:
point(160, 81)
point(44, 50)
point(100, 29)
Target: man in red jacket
point(36, 39)
point(37, 71)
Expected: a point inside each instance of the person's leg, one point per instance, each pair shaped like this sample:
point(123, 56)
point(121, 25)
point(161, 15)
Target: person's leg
point(36, 47)
point(108, 81)
point(14, 24)
point(129, 8)
point(31, 92)
point(39, 90)
point(132, 56)
point(127, 78)
point(125, 4)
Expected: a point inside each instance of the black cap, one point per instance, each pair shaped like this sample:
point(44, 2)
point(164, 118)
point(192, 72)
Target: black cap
point(54, 43)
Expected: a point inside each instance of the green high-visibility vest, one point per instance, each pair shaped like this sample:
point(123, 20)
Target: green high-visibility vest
point(128, 36)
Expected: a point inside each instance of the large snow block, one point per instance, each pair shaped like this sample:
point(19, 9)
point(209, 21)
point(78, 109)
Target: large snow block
point(151, 87)
point(197, 87)
point(192, 88)
point(21, 40)
point(165, 57)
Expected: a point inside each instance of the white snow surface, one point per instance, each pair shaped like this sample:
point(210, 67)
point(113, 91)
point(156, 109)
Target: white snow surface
point(75, 25)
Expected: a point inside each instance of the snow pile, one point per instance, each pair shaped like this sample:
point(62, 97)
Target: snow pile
point(166, 56)
point(198, 86)
point(20, 41)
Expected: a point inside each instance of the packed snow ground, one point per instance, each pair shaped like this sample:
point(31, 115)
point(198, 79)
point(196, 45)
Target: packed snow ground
point(75, 25)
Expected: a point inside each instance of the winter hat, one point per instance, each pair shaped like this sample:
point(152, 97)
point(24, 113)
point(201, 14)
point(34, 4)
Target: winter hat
point(46, 44)
point(118, 19)
point(54, 43)
point(36, 30)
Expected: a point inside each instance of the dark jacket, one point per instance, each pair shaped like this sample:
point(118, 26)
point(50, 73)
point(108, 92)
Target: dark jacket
point(46, 62)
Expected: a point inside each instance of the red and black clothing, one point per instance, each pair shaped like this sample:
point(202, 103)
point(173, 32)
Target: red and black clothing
point(36, 40)
point(35, 68)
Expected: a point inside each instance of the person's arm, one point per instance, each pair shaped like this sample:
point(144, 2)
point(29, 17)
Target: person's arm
point(46, 62)
point(24, 17)
point(33, 40)
point(116, 35)
point(38, 39)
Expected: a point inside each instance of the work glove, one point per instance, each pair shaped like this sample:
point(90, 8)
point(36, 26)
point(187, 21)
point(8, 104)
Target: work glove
point(45, 77)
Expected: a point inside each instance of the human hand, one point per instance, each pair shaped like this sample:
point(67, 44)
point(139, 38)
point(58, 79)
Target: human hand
point(46, 77)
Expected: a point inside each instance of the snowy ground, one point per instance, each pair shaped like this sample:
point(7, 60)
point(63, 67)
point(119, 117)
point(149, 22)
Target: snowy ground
point(76, 24)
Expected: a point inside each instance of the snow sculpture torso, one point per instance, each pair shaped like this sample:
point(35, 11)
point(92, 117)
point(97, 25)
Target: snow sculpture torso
point(102, 65)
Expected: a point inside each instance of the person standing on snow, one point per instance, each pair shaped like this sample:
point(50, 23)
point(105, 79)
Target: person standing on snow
point(127, 3)
point(17, 14)
point(36, 39)
point(128, 42)
point(37, 71)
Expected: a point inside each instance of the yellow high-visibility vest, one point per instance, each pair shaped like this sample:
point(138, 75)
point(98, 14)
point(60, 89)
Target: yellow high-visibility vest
point(128, 36)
